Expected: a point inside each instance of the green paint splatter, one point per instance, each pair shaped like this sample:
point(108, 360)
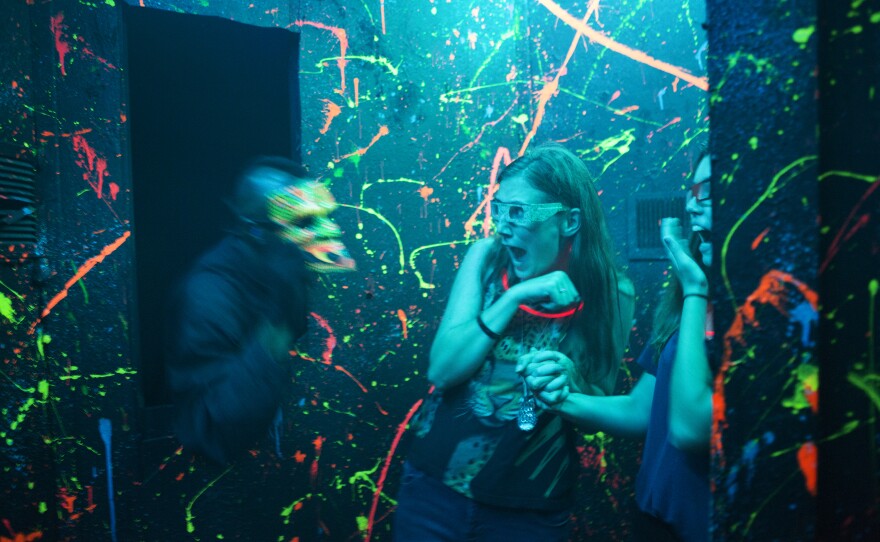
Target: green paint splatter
point(807, 377)
point(6, 309)
point(753, 143)
point(802, 35)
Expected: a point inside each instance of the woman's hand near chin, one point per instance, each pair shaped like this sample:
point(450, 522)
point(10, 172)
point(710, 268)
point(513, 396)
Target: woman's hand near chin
point(552, 291)
point(686, 269)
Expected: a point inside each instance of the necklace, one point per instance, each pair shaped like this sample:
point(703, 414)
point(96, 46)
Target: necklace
point(535, 312)
point(527, 415)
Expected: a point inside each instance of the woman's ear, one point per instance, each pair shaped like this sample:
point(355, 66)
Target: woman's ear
point(572, 222)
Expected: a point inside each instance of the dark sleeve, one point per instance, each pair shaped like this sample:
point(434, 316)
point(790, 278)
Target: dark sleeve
point(648, 359)
point(226, 385)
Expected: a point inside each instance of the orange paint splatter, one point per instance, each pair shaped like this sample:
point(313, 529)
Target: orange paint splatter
point(425, 192)
point(61, 46)
point(760, 238)
point(380, 484)
point(357, 83)
point(88, 159)
point(807, 457)
point(331, 111)
point(597, 37)
point(402, 316)
point(626, 110)
point(812, 397)
point(772, 289)
point(80, 273)
point(329, 342)
point(383, 131)
point(614, 96)
point(343, 47)
point(676, 120)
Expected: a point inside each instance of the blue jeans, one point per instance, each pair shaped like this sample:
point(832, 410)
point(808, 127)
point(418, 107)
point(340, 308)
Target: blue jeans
point(429, 511)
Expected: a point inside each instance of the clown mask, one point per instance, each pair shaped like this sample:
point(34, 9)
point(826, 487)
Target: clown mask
point(302, 214)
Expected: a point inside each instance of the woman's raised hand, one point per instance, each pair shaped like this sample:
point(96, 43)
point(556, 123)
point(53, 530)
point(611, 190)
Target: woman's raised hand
point(552, 291)
point(685, 267)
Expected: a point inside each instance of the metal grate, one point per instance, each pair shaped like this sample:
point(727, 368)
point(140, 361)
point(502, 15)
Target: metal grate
point(18, 188)
point(646, 210)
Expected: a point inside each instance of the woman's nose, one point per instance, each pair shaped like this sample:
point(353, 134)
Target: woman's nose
point(692, 207)
point(502, 227)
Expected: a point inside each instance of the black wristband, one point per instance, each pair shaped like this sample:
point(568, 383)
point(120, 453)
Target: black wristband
point(489, 333)
point(704, 296)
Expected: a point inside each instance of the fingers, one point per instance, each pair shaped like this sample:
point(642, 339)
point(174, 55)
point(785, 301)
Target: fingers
point(535, 357)
point(670, 228)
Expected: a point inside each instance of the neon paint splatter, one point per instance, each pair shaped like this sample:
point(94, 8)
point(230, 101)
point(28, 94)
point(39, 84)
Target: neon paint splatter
point(808, 460)
point(80, 273)
point(638, 56)
point(61, 46)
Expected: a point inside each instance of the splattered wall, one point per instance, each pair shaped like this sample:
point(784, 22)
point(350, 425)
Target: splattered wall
point(409, 109)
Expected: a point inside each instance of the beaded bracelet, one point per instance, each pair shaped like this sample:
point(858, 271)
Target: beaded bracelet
point(489, 333)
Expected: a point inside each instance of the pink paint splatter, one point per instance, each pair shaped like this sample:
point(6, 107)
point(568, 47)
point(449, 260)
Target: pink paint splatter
point(61, 46)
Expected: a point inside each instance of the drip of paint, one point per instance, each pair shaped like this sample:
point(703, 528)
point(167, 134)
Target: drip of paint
point(106, 430)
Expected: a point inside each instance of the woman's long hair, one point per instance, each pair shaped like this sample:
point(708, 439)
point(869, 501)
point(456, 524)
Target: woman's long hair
point(594, 341)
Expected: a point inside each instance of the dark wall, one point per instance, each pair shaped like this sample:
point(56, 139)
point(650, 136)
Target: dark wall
point(408, 110)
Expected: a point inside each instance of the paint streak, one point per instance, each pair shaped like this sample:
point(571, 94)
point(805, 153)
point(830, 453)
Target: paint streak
point(80, 273)
point(501, 155)
point(329, 342)
point(357, 83)
point(331, 111)
point(383, 131)
point(772, 289)
point(676, 120)
point(842, 235)
point(88, 159)
point(402, 316)
point(614, 96)
point(19, 537)
point(401, 428)
point(807, 457)
point(806, 392)
point(61, 46)
point(382, 14)
point(757, 241)
point(313, 469)
point(551, 89)
point(638, 56)
point(343, 47)
point(626, 110)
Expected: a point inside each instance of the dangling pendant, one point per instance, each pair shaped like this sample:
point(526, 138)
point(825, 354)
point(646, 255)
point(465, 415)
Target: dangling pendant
point(527, 417)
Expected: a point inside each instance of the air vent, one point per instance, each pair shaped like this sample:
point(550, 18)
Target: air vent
point(18, 224)
point(645, 212)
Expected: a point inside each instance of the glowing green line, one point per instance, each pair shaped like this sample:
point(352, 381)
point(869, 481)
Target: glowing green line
point(392, 69)
point(504, 37)
point(385, 220)
point(445, 99)
point(607, 107)
point(684, 145)
point(13, 292)
point(412, 259)
point(189, 516)
point(771, 188)
point(849, 175)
